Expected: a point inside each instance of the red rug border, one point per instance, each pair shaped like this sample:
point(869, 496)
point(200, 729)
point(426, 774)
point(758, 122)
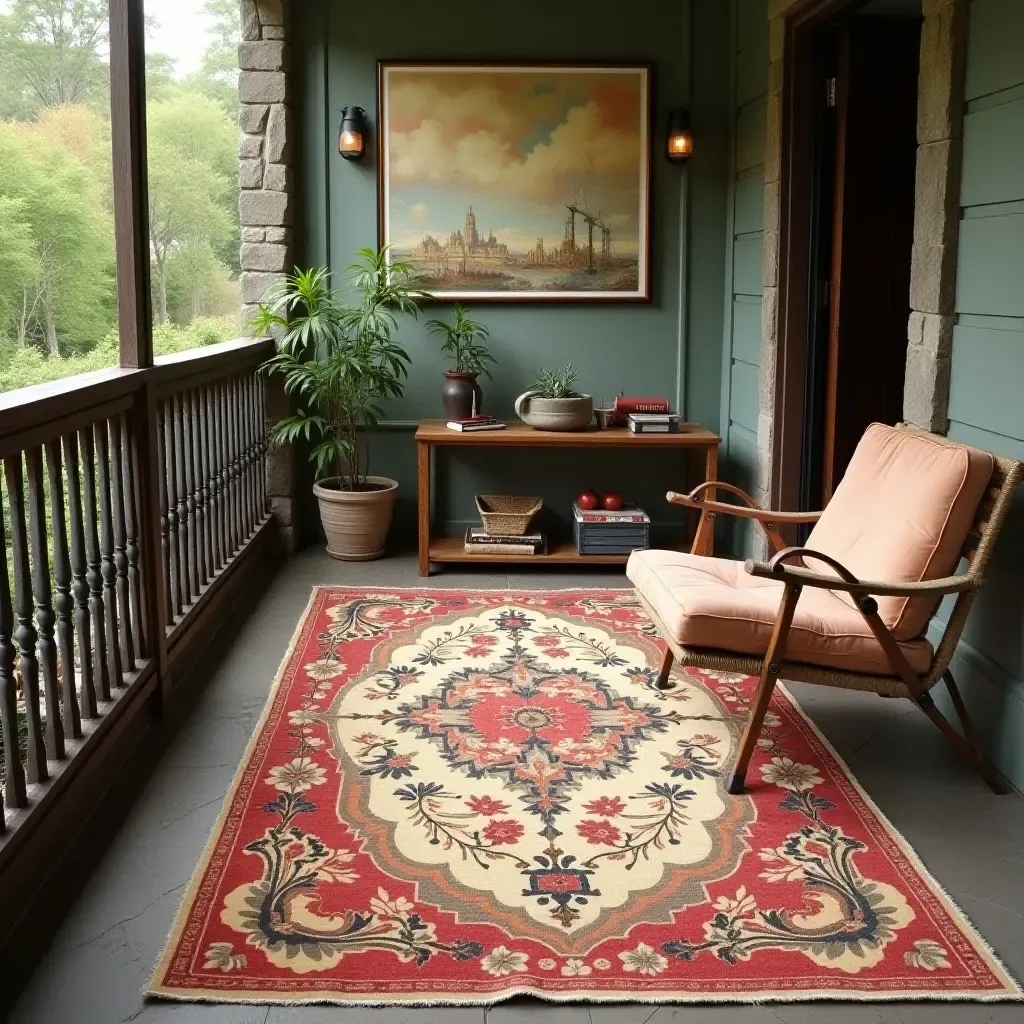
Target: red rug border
point(679, 994)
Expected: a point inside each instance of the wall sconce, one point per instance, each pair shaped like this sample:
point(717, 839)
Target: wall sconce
point(352, 133)
point(680, 138)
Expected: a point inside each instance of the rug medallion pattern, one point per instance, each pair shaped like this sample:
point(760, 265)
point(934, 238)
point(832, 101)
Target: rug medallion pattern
point(458, 796)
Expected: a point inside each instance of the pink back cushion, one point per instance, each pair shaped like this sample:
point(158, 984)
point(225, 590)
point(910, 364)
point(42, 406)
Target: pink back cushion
point(901, 514)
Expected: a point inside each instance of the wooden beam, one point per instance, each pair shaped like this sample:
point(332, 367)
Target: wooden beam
point(131, 192)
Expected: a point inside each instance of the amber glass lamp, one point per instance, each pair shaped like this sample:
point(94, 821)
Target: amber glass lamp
point(680, 138)
point(352, 134)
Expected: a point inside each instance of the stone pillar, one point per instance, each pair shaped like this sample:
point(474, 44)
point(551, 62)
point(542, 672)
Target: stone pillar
point(936, 214)
point(265, 207)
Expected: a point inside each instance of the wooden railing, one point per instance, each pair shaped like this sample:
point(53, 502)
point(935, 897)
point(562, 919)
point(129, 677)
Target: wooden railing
point(129, 497)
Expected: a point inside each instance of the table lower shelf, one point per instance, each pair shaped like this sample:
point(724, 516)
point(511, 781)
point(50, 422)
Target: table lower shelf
point(452, 549)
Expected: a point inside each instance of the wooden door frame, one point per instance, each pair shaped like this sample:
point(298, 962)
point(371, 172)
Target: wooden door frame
point(795, 141)
point(787, 213)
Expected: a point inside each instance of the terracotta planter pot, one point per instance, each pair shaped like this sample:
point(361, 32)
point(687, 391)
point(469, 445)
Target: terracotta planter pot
point(356, 522)
point(457, 395)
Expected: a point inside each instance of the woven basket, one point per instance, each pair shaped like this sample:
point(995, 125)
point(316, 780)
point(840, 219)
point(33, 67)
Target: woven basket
point(505, 515)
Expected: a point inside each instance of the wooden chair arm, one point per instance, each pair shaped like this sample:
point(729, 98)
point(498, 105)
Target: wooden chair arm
point(777, 569)
point(751, 511)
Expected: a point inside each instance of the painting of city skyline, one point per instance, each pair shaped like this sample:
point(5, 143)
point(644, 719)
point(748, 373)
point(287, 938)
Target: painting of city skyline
point(517, 182)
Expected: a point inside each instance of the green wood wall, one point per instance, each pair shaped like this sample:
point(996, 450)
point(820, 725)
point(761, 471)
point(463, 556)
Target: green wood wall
point(985, 406)
point(741, 350)
point(673, 346)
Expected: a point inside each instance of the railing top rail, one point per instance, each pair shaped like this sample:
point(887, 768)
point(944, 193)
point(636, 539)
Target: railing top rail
point(210, 362)
point(58, 401)
point(66, 404)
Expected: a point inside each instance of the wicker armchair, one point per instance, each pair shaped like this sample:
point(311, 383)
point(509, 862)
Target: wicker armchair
point(712, 612)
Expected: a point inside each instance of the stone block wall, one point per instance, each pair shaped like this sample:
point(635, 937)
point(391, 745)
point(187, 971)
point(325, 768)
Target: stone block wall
point(265, 205)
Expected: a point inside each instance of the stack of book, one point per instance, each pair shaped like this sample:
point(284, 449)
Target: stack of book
point(472, 423)
point(600, 532)
point(654, 422)
point(480, 542)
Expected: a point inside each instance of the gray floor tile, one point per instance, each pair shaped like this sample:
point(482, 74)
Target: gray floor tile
point(104, 953)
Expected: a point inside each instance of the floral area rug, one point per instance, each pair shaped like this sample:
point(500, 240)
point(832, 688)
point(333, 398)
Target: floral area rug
point(455, 797)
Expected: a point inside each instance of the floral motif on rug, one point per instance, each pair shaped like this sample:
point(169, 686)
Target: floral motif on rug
point(454, 797)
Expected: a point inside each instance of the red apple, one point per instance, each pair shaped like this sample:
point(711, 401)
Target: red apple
point(587, 500)
point(611, 501)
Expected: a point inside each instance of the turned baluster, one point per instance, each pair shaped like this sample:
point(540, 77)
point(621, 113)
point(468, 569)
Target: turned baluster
point(250, 454)
point(101, 670)
point(25, 635)
point(212, 474)
point(240, 454)
point(170, 505)
point(181, 490)
point(197, 497)
point(130, 469)
point(225, 490)
point(15, 794)
point(261, 436)
point(80, 586)
point(203, 476)
point(46, 646)
point(226, 475)
point(190, 501)
point(119, 500)
point(236, 508)
point(63, 601)
point(107, 567)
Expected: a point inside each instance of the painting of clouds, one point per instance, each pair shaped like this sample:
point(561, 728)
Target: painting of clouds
point(517, 182)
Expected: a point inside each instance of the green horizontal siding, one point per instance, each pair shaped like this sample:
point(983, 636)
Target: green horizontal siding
point(742, 347)
point(985, 407)
point(994, 35)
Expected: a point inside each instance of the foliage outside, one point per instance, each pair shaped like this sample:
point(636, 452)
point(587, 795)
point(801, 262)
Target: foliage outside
point(339, 359)
point(465, 341)
point(57, 276)
point(556, 383)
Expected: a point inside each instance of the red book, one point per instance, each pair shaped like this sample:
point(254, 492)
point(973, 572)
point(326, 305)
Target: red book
point(625, 406)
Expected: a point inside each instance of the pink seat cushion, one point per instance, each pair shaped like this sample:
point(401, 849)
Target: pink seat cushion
point(713, 602)
point(901, 514)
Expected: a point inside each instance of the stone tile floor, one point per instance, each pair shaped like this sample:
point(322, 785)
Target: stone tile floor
point(103, 955)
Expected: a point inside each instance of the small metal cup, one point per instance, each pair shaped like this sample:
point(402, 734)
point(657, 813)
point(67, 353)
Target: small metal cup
point(605, 418)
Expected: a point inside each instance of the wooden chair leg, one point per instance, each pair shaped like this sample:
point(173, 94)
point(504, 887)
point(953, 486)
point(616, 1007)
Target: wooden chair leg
point(663, 682)
point(967, 747)
point(971, 741)
point(766, 685)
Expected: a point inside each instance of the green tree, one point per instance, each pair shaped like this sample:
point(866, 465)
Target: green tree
point(192, 170)
point(67, 300)
point(17, 258)
point(50, 51)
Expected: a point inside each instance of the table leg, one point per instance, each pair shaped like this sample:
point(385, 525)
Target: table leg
point(423, 504)
point(710, 473)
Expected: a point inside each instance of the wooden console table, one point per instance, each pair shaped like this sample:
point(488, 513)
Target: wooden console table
point(434, 433)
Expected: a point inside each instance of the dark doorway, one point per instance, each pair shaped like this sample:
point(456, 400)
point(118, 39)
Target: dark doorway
point(863, 152)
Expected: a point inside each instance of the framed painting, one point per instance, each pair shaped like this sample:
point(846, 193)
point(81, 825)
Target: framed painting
point(517, 182)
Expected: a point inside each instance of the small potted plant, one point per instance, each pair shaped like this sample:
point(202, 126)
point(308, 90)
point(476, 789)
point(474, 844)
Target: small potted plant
point(340, 361)
point(465, 341)
point(553, 404)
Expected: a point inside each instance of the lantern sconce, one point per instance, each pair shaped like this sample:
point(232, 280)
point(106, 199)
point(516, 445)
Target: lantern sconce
point(352, 133)
point(680, 139)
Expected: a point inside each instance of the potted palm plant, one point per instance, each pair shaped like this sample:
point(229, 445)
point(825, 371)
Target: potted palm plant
point(340, 362)
point(465, 341)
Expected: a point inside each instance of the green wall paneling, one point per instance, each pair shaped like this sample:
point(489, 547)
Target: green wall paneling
point(672, 345)
point(741, 349)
